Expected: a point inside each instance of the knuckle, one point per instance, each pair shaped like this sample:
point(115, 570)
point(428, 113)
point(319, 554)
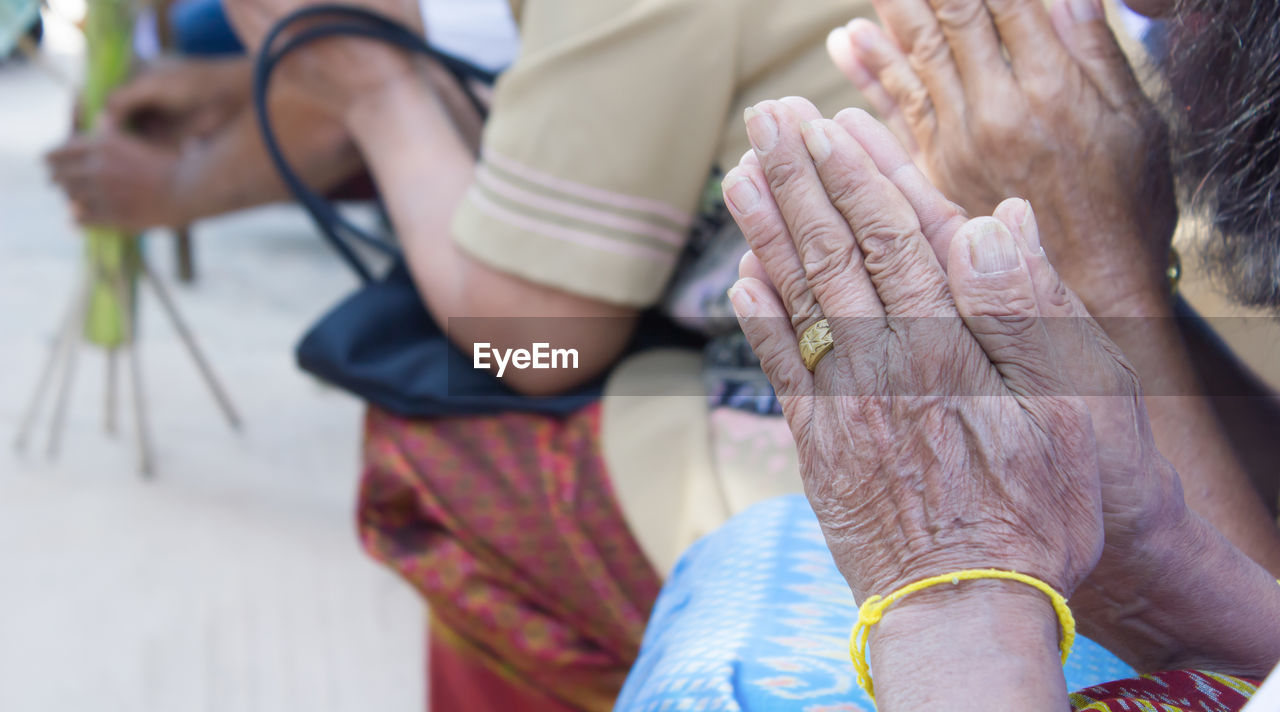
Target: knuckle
point(784, 174)
point(1005, 8)
point(846, 190)
point(1013, 304)
point(1047, 93)
point(828, 258)
point(929, 51)
point(884, 239)
point(959, 14)
point(916, 104)
point(996, 128)
point(778, 363)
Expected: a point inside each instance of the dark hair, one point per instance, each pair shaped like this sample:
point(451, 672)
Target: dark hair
point(1223, 68)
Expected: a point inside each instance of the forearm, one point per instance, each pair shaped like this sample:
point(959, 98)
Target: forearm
point(423, 169)
point(984, 645)
point(1190, 600)
point(232, 170)
point(1189, 434)
point(1247, 407)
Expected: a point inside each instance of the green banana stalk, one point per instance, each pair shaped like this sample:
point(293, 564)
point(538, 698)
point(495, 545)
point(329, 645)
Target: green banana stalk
point(113, 256)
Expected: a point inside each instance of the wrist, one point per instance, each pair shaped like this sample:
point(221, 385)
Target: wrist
point(923, 611)
point(1185, 598)
point(1129, 278)
point(994, 643)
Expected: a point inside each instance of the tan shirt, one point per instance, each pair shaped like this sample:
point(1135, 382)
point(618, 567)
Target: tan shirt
point(605, 130)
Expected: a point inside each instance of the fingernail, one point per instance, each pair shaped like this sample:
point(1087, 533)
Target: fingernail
point(741, 192)
point(816, 140)
point(1085, 10)
point(743, 303)
point(1030, 233)
point(992, 248)
point(761, 129)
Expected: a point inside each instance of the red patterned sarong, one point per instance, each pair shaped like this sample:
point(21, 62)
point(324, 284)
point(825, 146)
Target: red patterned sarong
point(1183, 691)
point(508, 527)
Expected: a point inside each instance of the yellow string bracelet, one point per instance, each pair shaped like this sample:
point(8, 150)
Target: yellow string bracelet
point(873, 610)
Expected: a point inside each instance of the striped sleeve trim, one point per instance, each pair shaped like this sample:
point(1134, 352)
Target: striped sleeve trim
point(512, 197)
point(648, 210)
point(495, 209)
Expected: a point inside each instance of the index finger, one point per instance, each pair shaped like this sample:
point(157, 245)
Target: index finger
point(939, 217)
point(1035, 50)
point(914, 26)
point(907, 275)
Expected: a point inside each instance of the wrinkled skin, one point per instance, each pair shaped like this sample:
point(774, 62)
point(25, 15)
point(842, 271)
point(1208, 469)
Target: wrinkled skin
point(1061, 121)
point(941, 433)
point(1030, 325)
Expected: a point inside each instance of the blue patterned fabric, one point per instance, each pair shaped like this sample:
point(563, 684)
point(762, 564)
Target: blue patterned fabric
point(756, 618)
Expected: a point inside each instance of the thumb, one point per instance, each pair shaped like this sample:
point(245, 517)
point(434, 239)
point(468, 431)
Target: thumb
point(996, 298)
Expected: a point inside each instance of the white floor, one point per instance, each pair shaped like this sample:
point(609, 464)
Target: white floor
point(234, 580)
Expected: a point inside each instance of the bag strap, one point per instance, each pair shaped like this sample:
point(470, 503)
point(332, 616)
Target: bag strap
point(345, 21)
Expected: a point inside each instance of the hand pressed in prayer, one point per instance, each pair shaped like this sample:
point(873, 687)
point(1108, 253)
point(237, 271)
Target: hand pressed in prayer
point(809, 229)
point(1009, 98)
point(942, 432)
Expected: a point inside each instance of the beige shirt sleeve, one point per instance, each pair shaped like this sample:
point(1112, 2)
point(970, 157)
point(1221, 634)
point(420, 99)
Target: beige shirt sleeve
point(600, 142)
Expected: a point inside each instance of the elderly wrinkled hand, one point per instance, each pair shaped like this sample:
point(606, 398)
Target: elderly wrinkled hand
point(121, 180)
point(942, 431)
point(1010, 98)
point(174, 100)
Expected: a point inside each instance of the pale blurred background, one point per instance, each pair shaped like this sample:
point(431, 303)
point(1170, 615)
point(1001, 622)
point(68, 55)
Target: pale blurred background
point(233, 581)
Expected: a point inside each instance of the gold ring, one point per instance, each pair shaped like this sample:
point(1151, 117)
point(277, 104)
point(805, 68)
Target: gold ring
point(815, 343)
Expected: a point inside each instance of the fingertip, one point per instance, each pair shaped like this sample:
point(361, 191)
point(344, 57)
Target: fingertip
point(840, 49)
point(857, 121)
point(744, 305)
point(874, 137)
point(803, 108)
point(861, 24)
point(741, 194)
point(754, 297)
point(751, 267)
point(817, 140)
point(866, 37)
point(985, 248)
point(1019, 217)
point(989, 277)
point(1060, 18)
point(762, 121)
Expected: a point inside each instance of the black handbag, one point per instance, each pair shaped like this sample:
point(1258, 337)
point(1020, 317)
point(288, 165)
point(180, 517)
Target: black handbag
point(380, 343)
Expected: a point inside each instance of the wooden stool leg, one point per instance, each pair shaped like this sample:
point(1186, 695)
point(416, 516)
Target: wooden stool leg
point(186, 255)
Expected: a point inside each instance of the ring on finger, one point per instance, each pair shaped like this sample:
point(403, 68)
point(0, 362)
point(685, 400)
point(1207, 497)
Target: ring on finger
point(815, 343)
